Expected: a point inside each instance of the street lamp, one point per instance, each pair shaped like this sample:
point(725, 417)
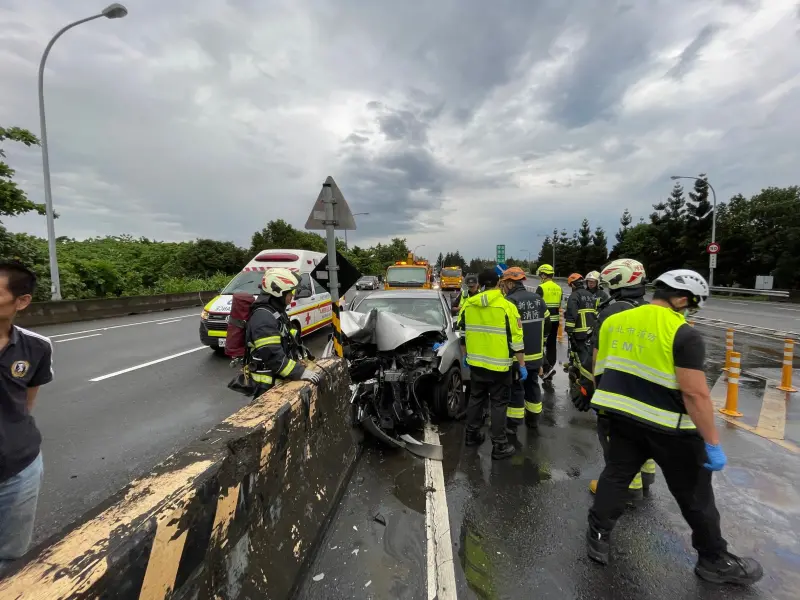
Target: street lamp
point(112, 11)
point(713, 220)
point(414, 251)
point(345, 231)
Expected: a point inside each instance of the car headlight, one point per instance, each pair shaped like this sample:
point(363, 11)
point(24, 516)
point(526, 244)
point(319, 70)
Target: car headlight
point(204, 315)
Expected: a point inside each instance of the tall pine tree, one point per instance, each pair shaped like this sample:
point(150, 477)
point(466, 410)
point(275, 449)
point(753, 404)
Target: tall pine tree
point(584, 243)
point(598, 251)
point(698, 226)
point(625, 223)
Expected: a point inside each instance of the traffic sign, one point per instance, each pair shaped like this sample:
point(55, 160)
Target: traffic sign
point(348, 274)
point(342, 215)
point(501, 253)
point(712, 261)
point(713, 248)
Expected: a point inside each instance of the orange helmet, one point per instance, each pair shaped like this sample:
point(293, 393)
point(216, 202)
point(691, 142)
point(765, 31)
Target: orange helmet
point(574, 278)
point(513, 274)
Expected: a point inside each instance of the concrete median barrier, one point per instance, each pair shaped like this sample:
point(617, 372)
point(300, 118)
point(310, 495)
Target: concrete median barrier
point(234, 515)
point(69, 311)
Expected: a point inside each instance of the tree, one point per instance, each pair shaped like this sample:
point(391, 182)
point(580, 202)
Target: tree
point(697, 233)
point(625, 222)
point(280, 234)
point(14, 201)
point(204, 258)
point(546, 253)
point(597, 254)
point(584, 243)
point(440, 261)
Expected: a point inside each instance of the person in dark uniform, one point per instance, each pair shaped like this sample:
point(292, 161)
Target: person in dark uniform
point(274, 347)
point(471, 282)
point(526, 396)
point(26, 363)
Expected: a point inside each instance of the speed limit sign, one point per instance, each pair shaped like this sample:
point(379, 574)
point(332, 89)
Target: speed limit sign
point(713, 248)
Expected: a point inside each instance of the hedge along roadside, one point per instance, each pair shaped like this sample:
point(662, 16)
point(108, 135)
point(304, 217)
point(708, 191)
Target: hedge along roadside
point(235, 514)
point(72, 311)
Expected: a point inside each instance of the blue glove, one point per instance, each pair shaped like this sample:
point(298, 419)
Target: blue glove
point(436, 346)
point(466, 364)
point(523, 373)
point(716, 457)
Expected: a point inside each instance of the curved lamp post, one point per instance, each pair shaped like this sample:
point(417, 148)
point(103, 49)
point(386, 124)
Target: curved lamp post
point(713, 220)
point(112, 11)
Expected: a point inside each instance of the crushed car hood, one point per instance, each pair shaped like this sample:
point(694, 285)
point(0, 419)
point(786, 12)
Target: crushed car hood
point(386, 330)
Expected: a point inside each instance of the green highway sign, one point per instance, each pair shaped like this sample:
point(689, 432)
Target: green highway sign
point(501, 252)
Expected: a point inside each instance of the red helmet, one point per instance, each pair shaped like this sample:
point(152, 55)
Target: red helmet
point(574, 278)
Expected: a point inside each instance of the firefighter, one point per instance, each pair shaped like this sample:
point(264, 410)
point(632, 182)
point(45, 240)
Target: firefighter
point(552, 294)
point(652, 385)
point(580, 318)
point(472, 288)
point(594, 286)
point(526, 397)
point(274, 348)
point(492, 334)
point(625, 278)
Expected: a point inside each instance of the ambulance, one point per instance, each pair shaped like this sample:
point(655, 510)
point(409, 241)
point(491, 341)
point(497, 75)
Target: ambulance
point(309, 311)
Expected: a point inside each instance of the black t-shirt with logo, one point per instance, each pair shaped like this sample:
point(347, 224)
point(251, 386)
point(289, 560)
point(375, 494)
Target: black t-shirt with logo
point(26, 362)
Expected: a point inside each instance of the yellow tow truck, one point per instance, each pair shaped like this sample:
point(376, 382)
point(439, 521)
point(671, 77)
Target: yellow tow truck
point(409, 274)
point(451, 278)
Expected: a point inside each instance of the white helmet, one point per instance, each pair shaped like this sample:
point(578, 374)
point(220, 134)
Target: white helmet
point(623, 273)
point(277, 282)
point(686, 279)
point(592, 276)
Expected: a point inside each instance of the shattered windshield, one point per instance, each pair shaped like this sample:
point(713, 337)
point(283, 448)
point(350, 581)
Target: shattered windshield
point(426, 310)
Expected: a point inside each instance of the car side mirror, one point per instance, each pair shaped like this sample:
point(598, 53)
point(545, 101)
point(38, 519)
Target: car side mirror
point(303, 293)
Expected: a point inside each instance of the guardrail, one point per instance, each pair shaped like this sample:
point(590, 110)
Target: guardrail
point(70, 311)
point(733, 291)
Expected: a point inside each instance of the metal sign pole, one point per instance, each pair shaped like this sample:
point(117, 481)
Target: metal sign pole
point(333, 268)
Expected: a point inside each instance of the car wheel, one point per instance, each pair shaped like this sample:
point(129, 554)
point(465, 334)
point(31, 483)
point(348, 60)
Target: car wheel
point(449, 397)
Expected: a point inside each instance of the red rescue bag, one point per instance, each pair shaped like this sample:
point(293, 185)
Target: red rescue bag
point(240, 311)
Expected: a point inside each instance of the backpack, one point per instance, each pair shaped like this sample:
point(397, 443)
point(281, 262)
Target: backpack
point(235, 344)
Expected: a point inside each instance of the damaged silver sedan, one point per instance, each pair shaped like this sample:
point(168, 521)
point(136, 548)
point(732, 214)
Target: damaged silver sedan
point(404, 359)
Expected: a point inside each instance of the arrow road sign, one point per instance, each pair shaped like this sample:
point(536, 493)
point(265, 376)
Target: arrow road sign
point(713, 248)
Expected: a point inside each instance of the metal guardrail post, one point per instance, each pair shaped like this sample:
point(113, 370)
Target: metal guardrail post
point(732, 397)
point(728, 349)
point(786, 371)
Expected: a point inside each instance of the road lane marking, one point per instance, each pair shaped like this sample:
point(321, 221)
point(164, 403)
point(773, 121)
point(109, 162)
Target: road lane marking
point(441, 572)
point(165, 322)
point(55, 335)
point(147, 364)
point(82, 337)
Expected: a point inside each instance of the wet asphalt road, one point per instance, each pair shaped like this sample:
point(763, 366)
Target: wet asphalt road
point(98, 436)
point(517, 526)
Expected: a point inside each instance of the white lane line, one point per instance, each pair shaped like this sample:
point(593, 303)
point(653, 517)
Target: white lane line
point(441, 572)
point(165, 322)
point(147, 364)
point(83, 337)
point(55, 335)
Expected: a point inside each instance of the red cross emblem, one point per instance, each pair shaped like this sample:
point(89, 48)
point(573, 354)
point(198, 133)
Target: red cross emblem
point(308, 318)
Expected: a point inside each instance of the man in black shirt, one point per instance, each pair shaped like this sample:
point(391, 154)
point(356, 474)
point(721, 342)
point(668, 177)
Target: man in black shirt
point(25, 364)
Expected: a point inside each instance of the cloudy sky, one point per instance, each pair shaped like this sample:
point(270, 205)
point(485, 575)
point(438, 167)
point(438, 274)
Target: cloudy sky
point(455, 123)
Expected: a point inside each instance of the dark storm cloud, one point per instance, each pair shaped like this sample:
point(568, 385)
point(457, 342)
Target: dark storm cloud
point(615, 54)
point(690, 54)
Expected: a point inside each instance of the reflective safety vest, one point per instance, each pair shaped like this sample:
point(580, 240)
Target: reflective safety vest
point(581, 314)
point(533, 312)
point(552, 293)
point(492, 330)
point(635, 361)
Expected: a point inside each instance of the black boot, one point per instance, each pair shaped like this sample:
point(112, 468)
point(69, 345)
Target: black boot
point(474, 438)
point(511, 428)
point(501, 451)
point(532, 420)
point(597, 545)
point(729, 568)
